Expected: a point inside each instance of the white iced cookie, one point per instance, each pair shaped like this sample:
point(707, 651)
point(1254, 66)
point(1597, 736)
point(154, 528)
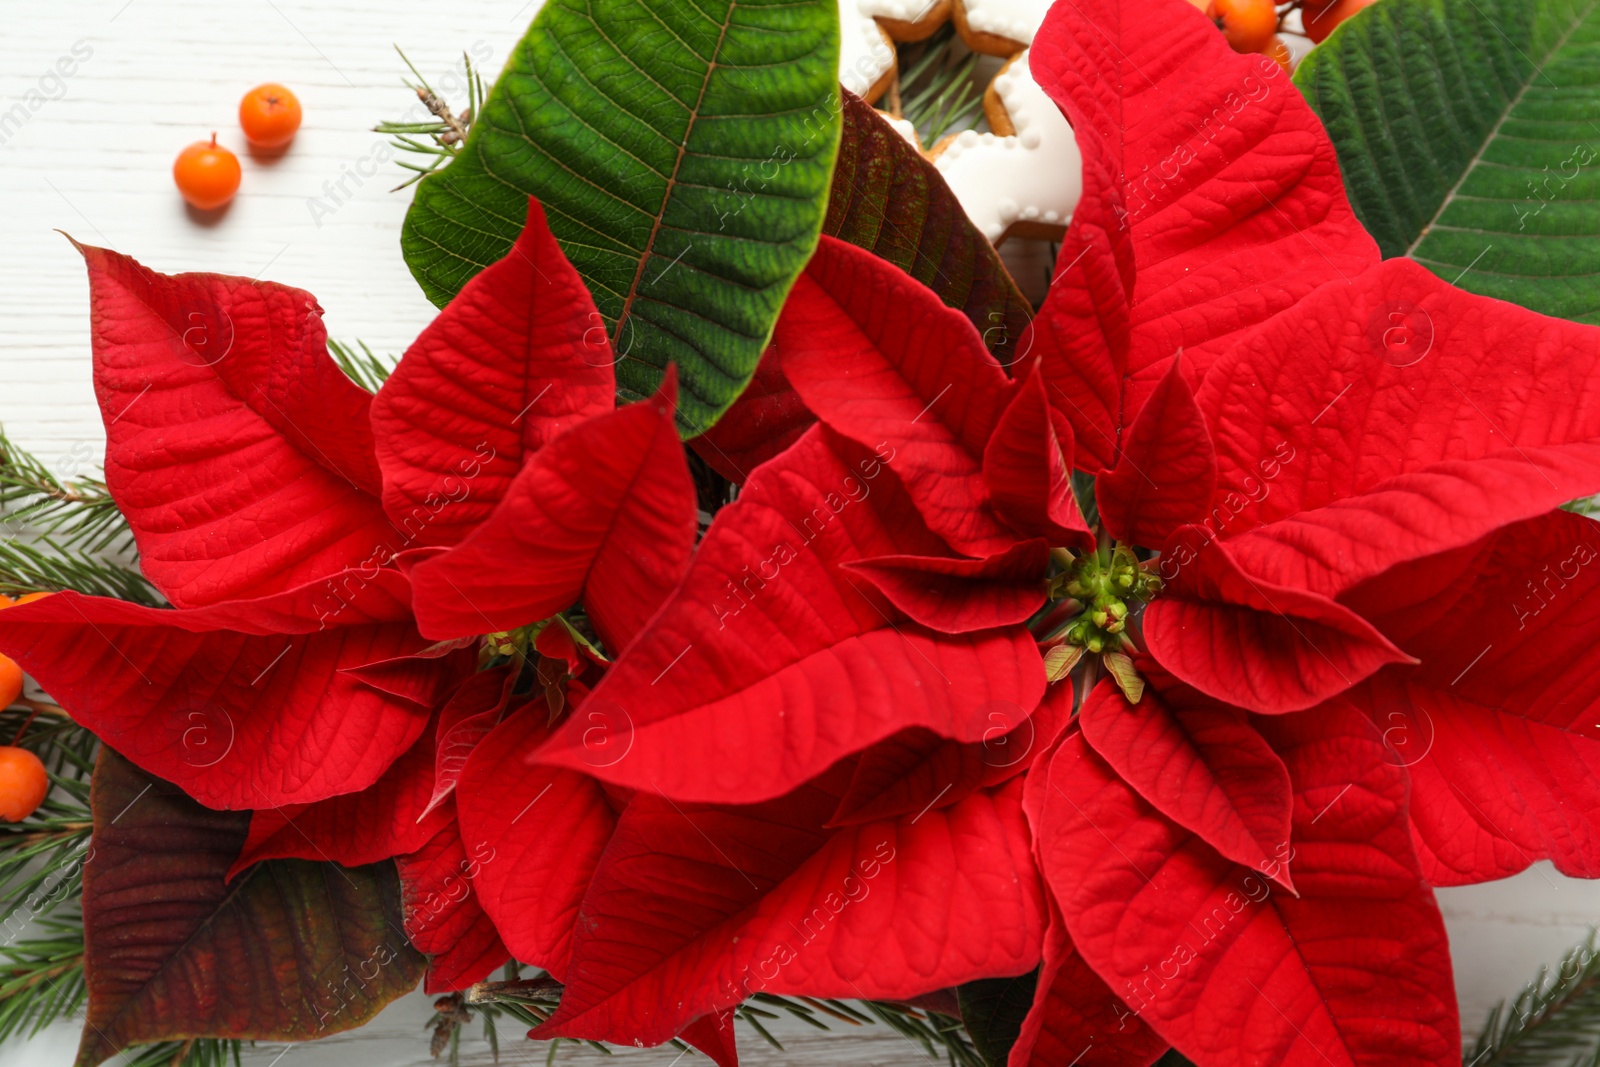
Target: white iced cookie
point(866, 54)
point(999, 27)
point(1024, 179)
point(909, 20)
point(867, 32)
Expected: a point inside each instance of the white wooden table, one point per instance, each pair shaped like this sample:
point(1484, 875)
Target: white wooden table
point(91, 154)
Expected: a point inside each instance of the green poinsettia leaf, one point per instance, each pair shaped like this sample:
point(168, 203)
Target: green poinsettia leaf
point(290, 950)
point(993, 1010)
point(1469, 136)
point(683, 153)
point(891, 201)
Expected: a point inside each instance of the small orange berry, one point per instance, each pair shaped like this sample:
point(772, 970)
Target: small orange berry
point(1249, 25)
point(10, 681)
point(207, 174)
point(23, 783)
point(270, 115)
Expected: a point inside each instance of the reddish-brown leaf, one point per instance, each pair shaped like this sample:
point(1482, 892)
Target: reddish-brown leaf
point(291, 950)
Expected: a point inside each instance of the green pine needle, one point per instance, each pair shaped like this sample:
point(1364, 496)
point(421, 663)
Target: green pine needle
point(77, 512)
point(41, 977)
point(196, 1052)
point(938, 93)
point(445, 133)
point(1554, 1019)
point(365, 367)
point(57, 533)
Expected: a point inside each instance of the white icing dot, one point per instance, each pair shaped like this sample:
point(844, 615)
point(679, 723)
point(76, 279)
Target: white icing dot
point(1030, 213)
point(905, 129)
point(1007, 208)
point(1051, 216)
point(1031, 139)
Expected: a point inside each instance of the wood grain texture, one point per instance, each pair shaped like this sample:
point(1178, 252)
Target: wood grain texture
point(96, 161)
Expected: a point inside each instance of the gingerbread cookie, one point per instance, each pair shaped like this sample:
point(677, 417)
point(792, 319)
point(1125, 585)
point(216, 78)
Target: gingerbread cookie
point(866, 53)
point(1024, 179)
point(868, 30)
point(999, 27)
point(909, 20)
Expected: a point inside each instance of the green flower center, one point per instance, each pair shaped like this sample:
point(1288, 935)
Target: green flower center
point(1091, 600)
point(1106, 584)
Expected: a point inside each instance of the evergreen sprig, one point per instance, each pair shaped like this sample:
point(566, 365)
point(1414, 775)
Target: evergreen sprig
point(41, 858)
point(532, 1001)
point(935, 88)
point(75, 513)
point(41, 877)
point(440, 136)
point(364, 367)
point(44, 565)
point(62, 533)
point(41, 977)
point(1554, 1019)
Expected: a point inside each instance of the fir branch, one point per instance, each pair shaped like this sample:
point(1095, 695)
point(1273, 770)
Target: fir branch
point(41, 857)
point(936, 1033)
point(195, 1052)
point(937, 91)
point(366, 368)
point(1555, 1018)
point(56, 532)
point(41, 978)
point(438, 138)
point(41, 877)
point(532, 1001)
point(75, 513)
point(44, 565)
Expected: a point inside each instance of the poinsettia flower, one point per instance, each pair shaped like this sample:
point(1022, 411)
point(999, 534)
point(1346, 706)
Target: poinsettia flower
point(270, 496)
point(306, 532)
point(1386, 446)
point(519, 489)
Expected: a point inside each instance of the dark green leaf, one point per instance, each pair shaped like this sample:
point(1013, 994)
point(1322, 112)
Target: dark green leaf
point(891, 201)
point(1469, 136)
point(290, 950)
point(682, 150)
point(993, 1010)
